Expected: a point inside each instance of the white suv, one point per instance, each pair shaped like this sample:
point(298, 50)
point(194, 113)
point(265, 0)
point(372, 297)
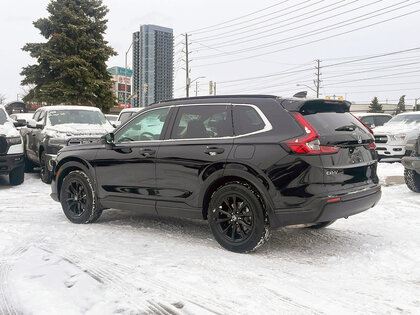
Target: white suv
point(11, 150)
point(392, 137)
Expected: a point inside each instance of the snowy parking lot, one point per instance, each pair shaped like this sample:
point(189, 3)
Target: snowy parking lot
point(129, 263)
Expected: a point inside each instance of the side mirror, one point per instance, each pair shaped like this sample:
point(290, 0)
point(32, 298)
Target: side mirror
point(109, 138)
point(20, 123)
point(116, 123)
point(31, 124)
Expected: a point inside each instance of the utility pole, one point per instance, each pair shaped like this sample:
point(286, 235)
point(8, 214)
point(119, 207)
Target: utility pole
point(318, 75)
point(214, 87)
point(187, 69)
point(196, 88)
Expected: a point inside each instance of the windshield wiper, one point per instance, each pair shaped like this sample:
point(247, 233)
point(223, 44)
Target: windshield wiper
point(346, 128)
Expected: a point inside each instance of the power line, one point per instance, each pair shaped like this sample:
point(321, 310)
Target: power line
point(321, 30)
point(313, 41)
point(202, 30)
point(225, 33)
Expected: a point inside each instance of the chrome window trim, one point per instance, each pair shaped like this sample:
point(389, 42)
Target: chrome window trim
point(267, 124)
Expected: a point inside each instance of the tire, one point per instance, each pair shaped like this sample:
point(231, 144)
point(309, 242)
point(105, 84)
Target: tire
point(29, 165)
point(45, 174)
point(17, 176)
point(78, 198)
point(320, 225)
point(237, 218)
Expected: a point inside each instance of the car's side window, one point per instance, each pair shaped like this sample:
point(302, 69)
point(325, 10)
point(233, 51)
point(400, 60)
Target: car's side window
point(36, 115)
point(146, 127)
point(42, 116)
point(202, 121)
point(246, 120)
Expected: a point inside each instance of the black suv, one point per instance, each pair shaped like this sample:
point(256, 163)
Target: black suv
point(244, 163)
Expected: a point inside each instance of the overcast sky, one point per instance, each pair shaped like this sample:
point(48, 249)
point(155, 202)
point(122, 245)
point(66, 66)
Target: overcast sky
point(283, 37)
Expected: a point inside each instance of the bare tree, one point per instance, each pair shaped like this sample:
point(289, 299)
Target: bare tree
point(2, 98)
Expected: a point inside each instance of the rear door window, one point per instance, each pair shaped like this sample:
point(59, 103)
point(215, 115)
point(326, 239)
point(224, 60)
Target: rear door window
point(202, 121)
point(246, 120)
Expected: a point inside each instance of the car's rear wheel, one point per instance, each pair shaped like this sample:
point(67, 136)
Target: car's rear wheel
point(78, 198)
point(45, 174)
point(237, 218)
point(412, 179)
point(320, 225)
point(17, 176)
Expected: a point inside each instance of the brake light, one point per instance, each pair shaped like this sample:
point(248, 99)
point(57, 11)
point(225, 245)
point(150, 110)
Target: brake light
point(368, 128)
point(372, 145)
point(309, 143)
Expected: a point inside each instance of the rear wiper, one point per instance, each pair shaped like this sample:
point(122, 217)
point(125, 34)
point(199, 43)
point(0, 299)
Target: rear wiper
point(346, 128)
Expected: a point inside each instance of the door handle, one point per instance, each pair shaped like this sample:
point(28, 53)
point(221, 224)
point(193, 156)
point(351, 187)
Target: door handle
point(212, 151)
point(147, 152)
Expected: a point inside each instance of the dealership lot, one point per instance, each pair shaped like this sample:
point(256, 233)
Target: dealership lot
point(131, 263)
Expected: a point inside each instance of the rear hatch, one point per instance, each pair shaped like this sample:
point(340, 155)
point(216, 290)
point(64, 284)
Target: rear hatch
point(345, 145)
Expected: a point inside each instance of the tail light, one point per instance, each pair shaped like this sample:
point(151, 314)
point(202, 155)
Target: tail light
point(371, 145)
point(308, 143)
point(367, 127)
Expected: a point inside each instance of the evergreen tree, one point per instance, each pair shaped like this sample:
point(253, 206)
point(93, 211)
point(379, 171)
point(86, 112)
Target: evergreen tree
point(375, 107)
point(401, 105)
point(71, 66)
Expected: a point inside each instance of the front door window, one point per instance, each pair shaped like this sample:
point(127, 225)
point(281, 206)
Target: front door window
point(146, 127)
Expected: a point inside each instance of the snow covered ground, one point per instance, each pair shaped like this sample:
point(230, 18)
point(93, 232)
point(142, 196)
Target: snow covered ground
point(129, 263)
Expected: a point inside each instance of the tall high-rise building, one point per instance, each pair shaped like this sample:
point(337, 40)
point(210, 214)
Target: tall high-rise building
point(153, 59)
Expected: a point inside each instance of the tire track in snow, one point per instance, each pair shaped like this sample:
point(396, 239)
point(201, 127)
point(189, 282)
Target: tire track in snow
point(8, 304)
point(114, 274)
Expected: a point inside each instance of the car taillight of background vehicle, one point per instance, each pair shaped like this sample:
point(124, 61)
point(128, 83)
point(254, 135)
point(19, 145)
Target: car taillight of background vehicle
point(309, 143)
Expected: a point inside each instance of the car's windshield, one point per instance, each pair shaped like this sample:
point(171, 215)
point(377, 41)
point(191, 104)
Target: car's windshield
point(3, 117)
point(405, 119)
point(68, 116)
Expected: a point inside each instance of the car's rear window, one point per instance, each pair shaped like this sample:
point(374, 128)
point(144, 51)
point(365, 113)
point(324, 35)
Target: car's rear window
point(328, 123)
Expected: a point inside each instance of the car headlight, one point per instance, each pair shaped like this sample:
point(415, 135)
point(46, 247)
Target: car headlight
point(14, 140)
point(61, 142)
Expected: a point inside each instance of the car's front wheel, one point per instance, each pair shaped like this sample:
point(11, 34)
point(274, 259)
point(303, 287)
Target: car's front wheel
point(17, 176)
point(237, 219)
point(46, 175)
point(78, 198)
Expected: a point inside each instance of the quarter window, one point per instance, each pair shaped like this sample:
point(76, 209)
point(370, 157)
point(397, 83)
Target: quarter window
point(202, 121)
point(146, 127)
point(246, 120)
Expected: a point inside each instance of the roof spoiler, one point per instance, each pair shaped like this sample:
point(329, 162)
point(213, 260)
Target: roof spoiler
point(316, 106)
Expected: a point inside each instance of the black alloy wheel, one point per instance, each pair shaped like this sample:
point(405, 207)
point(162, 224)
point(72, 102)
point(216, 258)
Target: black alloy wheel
point(78, 198)
point(234, 218)
point(45, 174)
point(237, 218)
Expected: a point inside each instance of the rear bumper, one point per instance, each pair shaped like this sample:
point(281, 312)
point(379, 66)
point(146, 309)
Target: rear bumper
point(9, 162)
point(321, 210)
point(411, 163)
point(386, 150)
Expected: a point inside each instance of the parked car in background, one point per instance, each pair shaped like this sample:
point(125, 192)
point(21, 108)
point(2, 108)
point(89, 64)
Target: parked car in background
point(391, 138)
point(111, 118)
point(244, 163)
point(22, 118)
point(412, 164)
point(126, 113)
point(373, 119)
point(11, 150)
point(54, 127)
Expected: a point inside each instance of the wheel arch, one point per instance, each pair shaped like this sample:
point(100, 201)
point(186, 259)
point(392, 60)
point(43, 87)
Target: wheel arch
point(67, 165)
point(244, 177)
